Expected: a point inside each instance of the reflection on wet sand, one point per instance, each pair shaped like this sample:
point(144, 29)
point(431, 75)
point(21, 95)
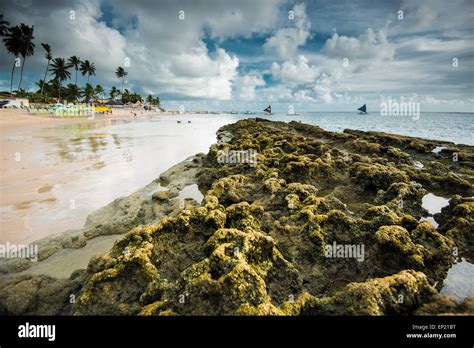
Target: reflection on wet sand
point(69, 170)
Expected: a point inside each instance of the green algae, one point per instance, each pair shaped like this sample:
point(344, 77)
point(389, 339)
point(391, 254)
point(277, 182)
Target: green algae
point(256, 244)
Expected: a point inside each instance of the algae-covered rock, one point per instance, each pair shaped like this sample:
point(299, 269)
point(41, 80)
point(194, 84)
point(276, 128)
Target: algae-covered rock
point(399, 294)
point(457, 222)
point(324, 223)
point(445, 305)
point(39, 295)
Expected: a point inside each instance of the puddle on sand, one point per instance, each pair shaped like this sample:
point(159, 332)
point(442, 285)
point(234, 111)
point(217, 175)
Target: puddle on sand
point(191, 191)
point(66, 261)
point(434, 203)
point(459, 283)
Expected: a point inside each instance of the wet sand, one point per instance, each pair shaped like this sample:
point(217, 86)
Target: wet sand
point(55, 172)
point(29, 178)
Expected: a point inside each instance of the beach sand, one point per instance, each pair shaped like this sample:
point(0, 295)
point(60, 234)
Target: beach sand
point(28, 180)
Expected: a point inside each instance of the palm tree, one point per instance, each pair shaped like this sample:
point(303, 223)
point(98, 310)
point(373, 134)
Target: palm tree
point(48, 56)
point(134, 97)
point(121, 73)
point(12, 43)
point(59, 69)
point(88, 92)
point(27, 46)
point(153, 101)
point(99, 90)
point(73, 92)
point(41, 84)
point(75, 62)
point(125, 96)
point(4, 26)
point(113, 93)
point(87, 68)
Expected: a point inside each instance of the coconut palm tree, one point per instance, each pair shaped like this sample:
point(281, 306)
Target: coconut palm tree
point(4, 26)
point(153, 101)
point(41, 85)
point(59, 68)
point(27, 47)
point(99, 90)
point(73, 92)
point(88, 92)
point(87, 68)
point(12, 43)
point(48, 55)
point(125, 96)
point(121, 73)
point(114, 92)
point(75, 62)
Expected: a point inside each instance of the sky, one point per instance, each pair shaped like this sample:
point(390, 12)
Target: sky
point(247, 54)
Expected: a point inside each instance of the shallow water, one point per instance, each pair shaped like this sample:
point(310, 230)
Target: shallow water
point(75, 169)
point(434, 203)
point(459, 283)
point(191, 191)
point(65, 261)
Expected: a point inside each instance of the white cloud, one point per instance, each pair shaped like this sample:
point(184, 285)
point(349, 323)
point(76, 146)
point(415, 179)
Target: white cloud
point(302, 96)
point(323, 89)
point(166, 55)
point(242, 18)
point(369, 45)
point(176, 58)
point(244, 87)
point(287, 40)
point(294, 72)
point(276, 93)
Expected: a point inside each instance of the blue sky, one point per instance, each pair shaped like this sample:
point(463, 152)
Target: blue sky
point(329, 56)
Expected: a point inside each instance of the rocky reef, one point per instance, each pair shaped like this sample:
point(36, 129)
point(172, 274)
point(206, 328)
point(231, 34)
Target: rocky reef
point(321, 223)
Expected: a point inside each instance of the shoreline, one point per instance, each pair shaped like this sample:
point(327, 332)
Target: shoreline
point(60, 157)
point(116, 218)
point(157, 205)
point(10, 118)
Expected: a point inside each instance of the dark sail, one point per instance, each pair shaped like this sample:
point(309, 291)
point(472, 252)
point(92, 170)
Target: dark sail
point(268, 109)
point(363, 108)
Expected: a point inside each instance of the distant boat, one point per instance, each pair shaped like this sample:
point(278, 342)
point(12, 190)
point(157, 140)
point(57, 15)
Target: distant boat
point(363, 110)
point(268, 110)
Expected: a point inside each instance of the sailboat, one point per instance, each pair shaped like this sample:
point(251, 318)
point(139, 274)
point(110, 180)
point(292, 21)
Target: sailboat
point(268, 110)
point(363, 110)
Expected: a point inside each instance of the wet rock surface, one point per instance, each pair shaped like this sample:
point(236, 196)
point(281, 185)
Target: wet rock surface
point(324, 224)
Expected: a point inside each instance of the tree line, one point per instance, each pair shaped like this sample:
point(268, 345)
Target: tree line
point(19, 42)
